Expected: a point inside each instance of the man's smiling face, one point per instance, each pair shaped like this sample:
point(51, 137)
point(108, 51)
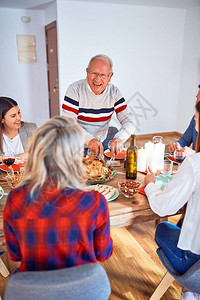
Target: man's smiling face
point(98, 75)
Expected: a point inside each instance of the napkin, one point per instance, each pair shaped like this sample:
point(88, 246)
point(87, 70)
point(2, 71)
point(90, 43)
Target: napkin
point(161, 181)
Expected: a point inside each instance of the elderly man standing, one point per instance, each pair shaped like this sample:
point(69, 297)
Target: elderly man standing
point(93, 101)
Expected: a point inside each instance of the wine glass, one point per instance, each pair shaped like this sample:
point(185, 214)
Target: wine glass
point(157, 139)
point(8, 159)
point(112, 160)
point(179, 155)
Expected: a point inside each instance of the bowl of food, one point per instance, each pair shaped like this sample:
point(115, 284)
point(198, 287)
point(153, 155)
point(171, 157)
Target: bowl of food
point(129, 188)
point(14, 178)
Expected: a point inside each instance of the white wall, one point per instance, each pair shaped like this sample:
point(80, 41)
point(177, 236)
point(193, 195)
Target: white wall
point(155, 53)
point(51, 13)
point(145, 44)
point(25, 82)
point(190, 71)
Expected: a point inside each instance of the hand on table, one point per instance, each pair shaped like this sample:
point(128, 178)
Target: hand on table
point(96, 147)
point(116, 146)
point(150, 177)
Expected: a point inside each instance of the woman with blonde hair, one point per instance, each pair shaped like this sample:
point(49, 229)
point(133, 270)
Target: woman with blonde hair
point(52, 221)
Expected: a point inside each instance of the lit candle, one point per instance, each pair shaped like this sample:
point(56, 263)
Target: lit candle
point(160, 153)
point(149, 147)
point(141, 162)
point(153, 162)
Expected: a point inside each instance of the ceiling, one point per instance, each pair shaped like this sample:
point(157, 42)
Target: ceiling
point(43, 4)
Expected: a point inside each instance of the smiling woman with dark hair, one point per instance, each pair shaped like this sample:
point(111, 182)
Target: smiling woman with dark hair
point(14, 133)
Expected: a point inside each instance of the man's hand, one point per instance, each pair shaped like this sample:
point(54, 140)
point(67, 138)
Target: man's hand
point(150, 177)
point(96, 147)
point(116, 146)
point(173, 147)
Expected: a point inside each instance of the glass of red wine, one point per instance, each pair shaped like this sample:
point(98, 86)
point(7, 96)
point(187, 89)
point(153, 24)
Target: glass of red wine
point(8, 160)
point(179, 156)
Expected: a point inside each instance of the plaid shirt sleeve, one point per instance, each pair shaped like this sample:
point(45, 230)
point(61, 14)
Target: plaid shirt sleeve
point(10, 236)
point(103, 244)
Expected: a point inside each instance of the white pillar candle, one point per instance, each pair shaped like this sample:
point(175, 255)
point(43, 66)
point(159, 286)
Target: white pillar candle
point(153, 162)
point(141, 162)
point(160, 152)
point(149, 147)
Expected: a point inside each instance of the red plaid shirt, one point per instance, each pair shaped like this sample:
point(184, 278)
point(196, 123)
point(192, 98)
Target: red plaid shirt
point(56, 229)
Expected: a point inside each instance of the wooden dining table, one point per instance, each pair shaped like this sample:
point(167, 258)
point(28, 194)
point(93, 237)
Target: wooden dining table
point(124, 212)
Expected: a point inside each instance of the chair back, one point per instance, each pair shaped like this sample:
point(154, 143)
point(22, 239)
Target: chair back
point(85, 282)
point(190, 279)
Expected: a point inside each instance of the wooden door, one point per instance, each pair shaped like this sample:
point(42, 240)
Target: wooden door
point(52, 68)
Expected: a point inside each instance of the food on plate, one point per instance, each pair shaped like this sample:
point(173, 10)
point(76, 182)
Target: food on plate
point(107, 191)
point(120, 155)
point(97, 169)
point(129, 187)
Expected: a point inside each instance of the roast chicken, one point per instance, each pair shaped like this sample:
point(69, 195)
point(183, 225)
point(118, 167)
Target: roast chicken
point(95, 167)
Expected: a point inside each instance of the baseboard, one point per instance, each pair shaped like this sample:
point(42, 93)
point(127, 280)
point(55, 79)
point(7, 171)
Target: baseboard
point(149, 135)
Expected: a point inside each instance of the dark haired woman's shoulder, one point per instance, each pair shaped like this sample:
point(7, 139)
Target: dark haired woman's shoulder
point(29, 125)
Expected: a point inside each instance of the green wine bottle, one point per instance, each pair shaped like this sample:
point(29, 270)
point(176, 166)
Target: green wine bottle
point(131, 160)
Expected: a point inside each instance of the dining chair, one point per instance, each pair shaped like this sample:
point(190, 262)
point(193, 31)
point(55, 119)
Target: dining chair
point(85, 282)
point(190, 279)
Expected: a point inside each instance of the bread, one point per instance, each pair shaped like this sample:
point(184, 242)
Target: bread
point(107, 191)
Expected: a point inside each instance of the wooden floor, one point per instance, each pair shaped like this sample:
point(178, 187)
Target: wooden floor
point(134, 270)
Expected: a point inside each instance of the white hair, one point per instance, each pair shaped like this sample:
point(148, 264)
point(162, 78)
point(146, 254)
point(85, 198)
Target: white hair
point(102, 57)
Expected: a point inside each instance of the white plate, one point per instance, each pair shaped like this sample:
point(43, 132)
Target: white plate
point(116, 194)
point(92, 181)
point(1, 192)
point(171, 158)
point(108, 151)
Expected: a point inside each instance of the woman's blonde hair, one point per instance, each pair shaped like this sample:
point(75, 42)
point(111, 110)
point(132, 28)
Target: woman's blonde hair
point(56, 152)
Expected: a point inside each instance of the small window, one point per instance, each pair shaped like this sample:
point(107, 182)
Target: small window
point(26, 48)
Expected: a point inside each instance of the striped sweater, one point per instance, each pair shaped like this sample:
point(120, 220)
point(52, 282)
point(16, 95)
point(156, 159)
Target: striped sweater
point(93, 112)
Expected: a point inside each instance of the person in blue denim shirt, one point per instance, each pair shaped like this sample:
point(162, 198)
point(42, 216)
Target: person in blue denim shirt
point(189, 136)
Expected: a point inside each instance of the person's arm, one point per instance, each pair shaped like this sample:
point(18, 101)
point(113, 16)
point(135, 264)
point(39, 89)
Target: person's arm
point(187, 137)
point(126, 119)
point(103, 245)
point(9, 232)
point(176, 193)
